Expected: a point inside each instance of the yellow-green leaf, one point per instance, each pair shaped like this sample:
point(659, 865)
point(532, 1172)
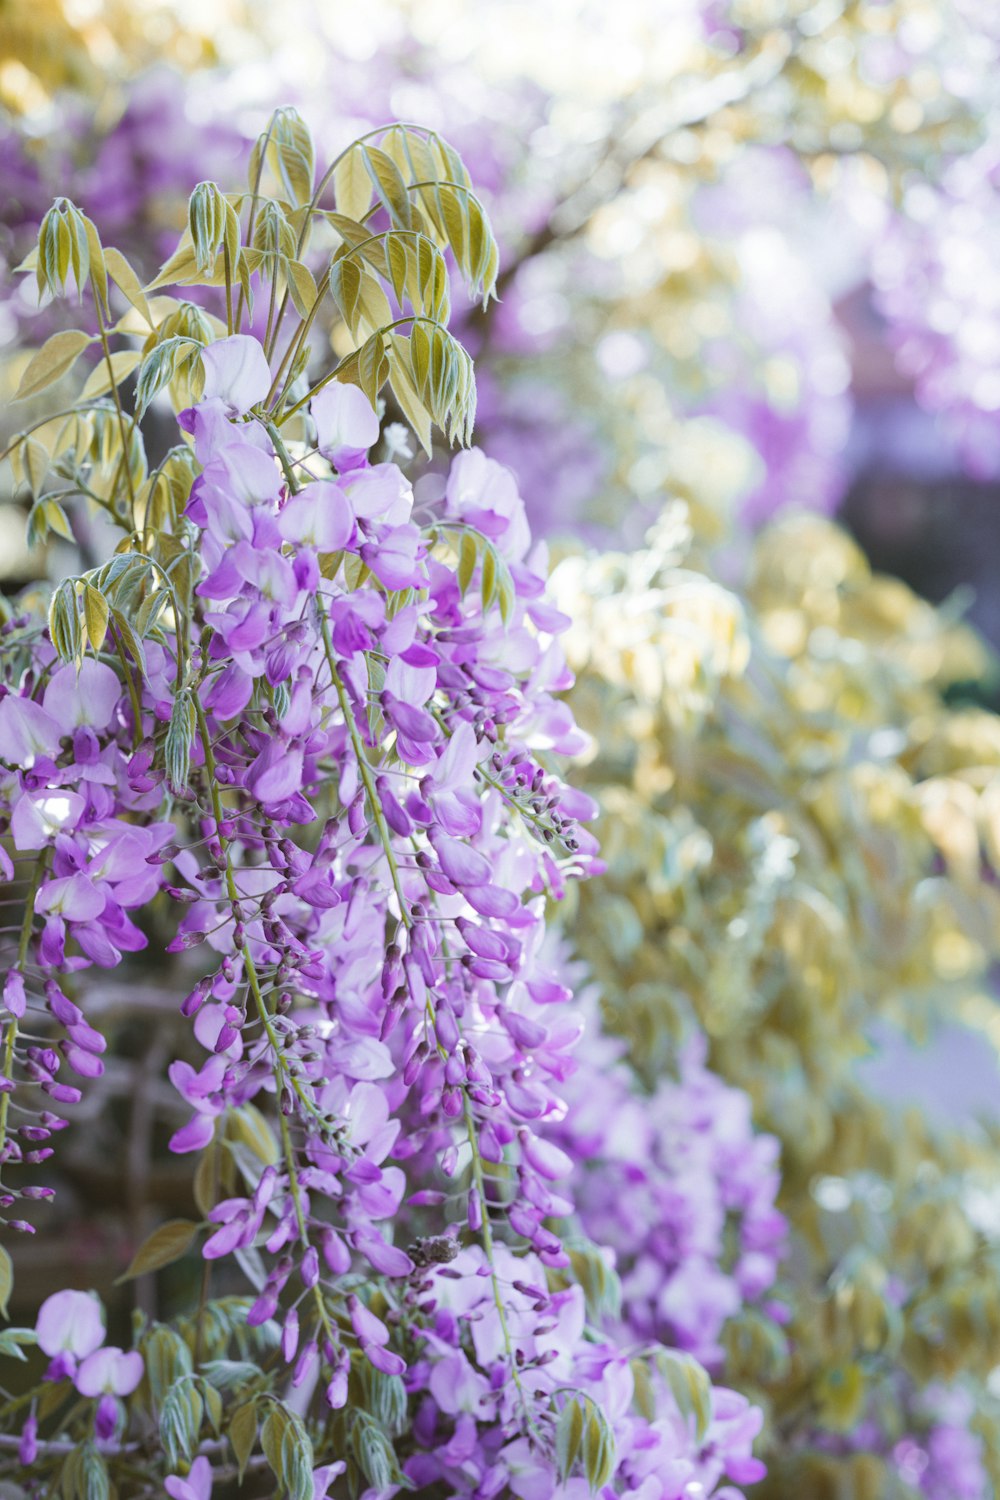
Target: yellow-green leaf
point(98, 266)
point(56, 356)
point(401, 380)
point(352, 186)
point(243, 1434)
point(345, 284)
point(6, 1280)
point(288, 1450)
point(302, 285)
point(468, 556)
point(56, 520)
point(489, 579)
point(99, 380)
point(95, 615)
point(248, 1125)
point(127, 282)
point(389, 186)
point(166, 1244)
point(35, 459)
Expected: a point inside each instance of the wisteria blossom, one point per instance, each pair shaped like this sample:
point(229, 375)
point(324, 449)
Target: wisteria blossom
point(303, 732)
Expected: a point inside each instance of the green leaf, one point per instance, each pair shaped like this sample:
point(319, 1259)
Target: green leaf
point(56, 520)
point(375, 1454)
point(84, 1475)
point(64, 621)
point(56, 356)
point(181, 269)
point(11, 1340)
point(129, 640)
point(205, 1185)
point(291, 154)
point(375, 310)
point(127, 282)
point(63, 246)
point(370, 247)
point(160, 367)
point(212, 222)
point(352, 186)
point(390, 189)
point(213, 1403)
point(488, 583)
point(468, 556)
point(598, 1447)
point(288, 1451)
point(95, 616)
point(243, 1434)
point(373, 366)
point(345, 286)
point(405, 390)
point(397, 254)
point(36, 461)
point(248, 1125)
point(569, 1437)
point(167, 1243)
point(179, 739)
point(98, 269)
point(229, 1374)
point(302, 286)
point(167, 1359)
point(101, 378)
point(6, 1280)
point(180, 1420)
point(690, 1387)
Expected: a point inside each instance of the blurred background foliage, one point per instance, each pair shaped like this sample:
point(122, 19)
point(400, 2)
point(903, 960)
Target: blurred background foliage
point(748, 284)
point(801, 840)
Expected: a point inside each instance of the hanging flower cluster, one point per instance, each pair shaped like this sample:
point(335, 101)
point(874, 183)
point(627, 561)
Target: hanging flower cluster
point(692, 1221)
point(802, 838)
point(304, 721)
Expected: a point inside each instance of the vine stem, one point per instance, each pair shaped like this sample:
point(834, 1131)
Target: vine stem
point(254, 200)
point(282, 1074)
point(22, 957)
point(364, 766)
point(297, 339)
point(124, 463)
point(253, 979)
point(486, 1233)
point(365, 770)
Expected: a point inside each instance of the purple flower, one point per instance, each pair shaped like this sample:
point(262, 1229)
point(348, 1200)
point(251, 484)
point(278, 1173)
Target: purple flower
point(70, 1323)
point(109, 1372)
point(346, 425)
point(236, 373)
point(196, 1486)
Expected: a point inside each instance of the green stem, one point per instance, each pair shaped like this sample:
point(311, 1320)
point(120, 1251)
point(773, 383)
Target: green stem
point(133, 693)
point(230, 325)
point(124, 463)
point(486, 1233)
point(297, 339)
point(206, 1269)
point(365, 771)
point(253, 979)
point(300, 1219)
point(282, 1074)
point(7, 1066)
point(270, 318)
point(255, 199)
point(284, 458)
point(332, 374)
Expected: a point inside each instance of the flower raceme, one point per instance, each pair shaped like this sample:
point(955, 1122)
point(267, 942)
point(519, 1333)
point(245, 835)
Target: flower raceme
point(331, 766)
